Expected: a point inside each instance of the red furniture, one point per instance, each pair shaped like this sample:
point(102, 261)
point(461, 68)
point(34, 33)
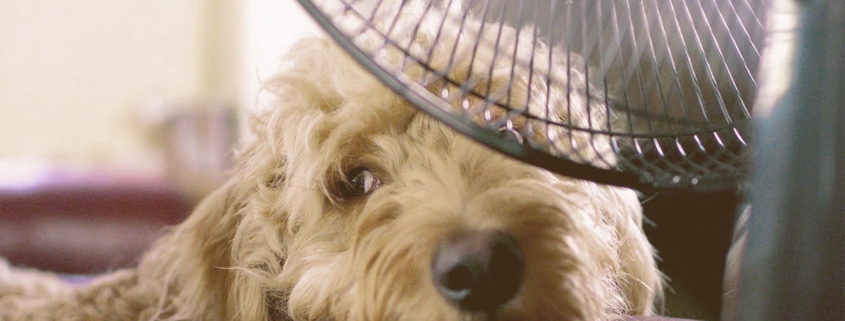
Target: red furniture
point(85, 224)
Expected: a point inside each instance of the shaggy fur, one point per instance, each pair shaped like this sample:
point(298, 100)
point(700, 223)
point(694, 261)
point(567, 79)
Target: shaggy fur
point(278, 243)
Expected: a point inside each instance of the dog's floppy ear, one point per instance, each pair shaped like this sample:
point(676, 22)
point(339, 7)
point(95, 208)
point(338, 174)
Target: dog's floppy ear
point(191, 262)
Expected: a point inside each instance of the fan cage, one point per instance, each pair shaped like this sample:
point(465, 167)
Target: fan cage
point(677, 77)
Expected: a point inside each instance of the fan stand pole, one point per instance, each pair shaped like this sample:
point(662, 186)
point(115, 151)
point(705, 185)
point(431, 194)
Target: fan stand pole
point(793, 267)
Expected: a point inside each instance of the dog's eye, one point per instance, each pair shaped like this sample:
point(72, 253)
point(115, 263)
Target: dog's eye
point(359, 181)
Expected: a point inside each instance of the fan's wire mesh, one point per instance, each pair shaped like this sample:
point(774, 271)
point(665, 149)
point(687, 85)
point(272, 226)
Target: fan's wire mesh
point(655, 94)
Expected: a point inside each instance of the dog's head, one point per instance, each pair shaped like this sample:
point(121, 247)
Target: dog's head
point(349, 204)
point(362, 208)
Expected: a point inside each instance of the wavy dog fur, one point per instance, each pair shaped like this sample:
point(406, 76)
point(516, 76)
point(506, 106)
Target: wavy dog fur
point(277, 243)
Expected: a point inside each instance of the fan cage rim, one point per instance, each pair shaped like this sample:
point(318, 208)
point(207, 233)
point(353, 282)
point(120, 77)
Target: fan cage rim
point(637, 177)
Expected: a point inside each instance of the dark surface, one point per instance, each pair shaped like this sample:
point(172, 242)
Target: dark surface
point(85, 225)
point(692, 234)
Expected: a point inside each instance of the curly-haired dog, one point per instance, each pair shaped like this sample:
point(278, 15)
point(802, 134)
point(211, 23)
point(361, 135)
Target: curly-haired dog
point(349, 204)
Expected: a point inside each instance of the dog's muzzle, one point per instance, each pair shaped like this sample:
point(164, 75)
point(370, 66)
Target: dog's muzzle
point(478, 271)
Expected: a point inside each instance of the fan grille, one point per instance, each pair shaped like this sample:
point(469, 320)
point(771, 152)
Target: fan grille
point(668, 85)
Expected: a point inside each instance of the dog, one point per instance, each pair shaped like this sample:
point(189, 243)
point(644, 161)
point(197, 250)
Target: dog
point(347, 203)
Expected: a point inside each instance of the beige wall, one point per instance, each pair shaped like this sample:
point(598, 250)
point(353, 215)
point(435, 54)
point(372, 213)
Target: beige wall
point(270, 28)
point(75, 75)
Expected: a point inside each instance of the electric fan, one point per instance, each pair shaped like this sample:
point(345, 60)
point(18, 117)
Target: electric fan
point(677, 79)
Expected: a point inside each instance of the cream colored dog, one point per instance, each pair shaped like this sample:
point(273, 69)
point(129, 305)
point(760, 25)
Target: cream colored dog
point(349, 204)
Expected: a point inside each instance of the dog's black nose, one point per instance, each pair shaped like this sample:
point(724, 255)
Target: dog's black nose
point(478, 271)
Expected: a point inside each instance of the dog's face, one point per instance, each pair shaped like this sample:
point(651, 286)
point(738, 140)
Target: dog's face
point(354, 206)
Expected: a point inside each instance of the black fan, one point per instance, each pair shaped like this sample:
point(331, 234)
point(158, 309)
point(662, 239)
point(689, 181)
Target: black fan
point(677, 77)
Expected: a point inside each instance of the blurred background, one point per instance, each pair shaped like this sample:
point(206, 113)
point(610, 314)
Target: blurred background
point(92, 83)
point(116, 117)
